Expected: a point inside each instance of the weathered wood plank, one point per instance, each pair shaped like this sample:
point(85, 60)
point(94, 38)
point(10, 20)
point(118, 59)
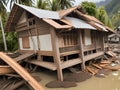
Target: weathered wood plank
point(70, 63)
point(5, 70)
point(48, 65)
point(69, 53)
point(92, 56)
point(55, 47)
point(24, 56)
point(97, 66)
point(81, 51)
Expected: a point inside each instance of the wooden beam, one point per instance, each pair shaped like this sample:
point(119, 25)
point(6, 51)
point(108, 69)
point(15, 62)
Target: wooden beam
point(21, 71)
point(103, 45)
point(81, 50)
point(5, 70)
point(55, 47)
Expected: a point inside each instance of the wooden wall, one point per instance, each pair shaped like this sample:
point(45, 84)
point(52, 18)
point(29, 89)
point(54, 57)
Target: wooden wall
point(36, 30)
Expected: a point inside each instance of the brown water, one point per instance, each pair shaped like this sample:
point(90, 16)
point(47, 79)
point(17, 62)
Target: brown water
point(111, 82)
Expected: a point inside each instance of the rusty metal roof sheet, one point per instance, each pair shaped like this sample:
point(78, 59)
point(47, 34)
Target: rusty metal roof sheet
point(40, 13)
point(78, 23)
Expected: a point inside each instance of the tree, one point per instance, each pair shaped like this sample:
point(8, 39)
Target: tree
point(56, 5)
point(66, 3)
point(43, 4)
point(24, 2)
point(90, 8)
point(100, 12)
point(116, 19)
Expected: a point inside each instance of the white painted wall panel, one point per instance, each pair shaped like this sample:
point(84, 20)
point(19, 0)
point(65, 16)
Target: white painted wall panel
point(88, 40)
point(45, 42)
point(33, 44)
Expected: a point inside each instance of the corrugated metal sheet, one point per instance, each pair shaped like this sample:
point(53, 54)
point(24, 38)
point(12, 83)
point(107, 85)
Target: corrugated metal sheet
point(78, 23)
point(102, 27)
point(41, 13)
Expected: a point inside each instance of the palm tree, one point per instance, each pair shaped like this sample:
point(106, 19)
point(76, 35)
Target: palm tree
point(54, 5)
point(60, 4)
point(2, 13)
point(43, 4)
point(24, 2)
point(66, 3)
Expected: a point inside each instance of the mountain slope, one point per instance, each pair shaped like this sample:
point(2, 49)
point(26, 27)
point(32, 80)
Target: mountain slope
point(113, 7)
point(102, 3)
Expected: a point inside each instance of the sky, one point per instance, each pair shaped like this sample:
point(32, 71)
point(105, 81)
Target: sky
point(79, 1)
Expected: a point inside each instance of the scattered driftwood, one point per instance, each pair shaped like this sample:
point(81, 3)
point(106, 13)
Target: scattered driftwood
point(97, 66)
point(113, 68)
point(103, 73)
point(110, 53)
point(91, 70)
point(103, 65)
point(105, 62)
point(21, 71)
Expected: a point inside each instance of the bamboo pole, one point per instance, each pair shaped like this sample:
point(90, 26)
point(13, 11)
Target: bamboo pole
point(3, 34)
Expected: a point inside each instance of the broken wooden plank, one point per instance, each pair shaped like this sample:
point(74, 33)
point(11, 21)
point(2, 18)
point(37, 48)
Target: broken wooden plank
point(91, 70)
point(105, 62)
point(111, 53)
point(103, 65)
point(5, 69)
point(97, 66)
point(48, 65)
point(21, 71)
point(24, 56)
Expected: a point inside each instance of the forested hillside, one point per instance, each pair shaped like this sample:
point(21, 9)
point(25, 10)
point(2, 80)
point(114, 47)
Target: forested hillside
point(113, 7)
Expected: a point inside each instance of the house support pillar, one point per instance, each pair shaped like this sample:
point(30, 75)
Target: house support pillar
point(55, 47)
point(103, 46)
point(81, 51)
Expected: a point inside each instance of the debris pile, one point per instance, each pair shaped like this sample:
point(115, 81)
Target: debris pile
point(15, 75)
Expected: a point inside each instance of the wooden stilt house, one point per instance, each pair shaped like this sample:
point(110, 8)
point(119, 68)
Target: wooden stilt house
point(61, 39)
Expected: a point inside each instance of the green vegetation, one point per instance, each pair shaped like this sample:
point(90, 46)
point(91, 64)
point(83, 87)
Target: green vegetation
point(54, 5)
point(99, 12)
point(113, 9)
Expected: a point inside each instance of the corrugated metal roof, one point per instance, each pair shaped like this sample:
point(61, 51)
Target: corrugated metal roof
point(78, 23)
point(40, 13)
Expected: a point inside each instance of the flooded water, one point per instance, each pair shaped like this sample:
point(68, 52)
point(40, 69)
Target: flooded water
point(111, 82)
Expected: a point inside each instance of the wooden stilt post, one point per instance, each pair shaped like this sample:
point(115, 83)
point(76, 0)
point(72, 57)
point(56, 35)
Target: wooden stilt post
point(55, 47)
point(102, 41)
point(81, 51)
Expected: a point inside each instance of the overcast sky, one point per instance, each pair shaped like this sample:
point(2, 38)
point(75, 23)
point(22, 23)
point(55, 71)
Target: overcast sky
point(79, 1)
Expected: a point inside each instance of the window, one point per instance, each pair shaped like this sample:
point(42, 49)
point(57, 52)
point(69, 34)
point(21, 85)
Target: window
point(26, 42)
point(68, 39)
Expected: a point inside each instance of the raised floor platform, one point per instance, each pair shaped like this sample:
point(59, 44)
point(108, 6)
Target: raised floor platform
point(92, 56)
point(53, 66)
